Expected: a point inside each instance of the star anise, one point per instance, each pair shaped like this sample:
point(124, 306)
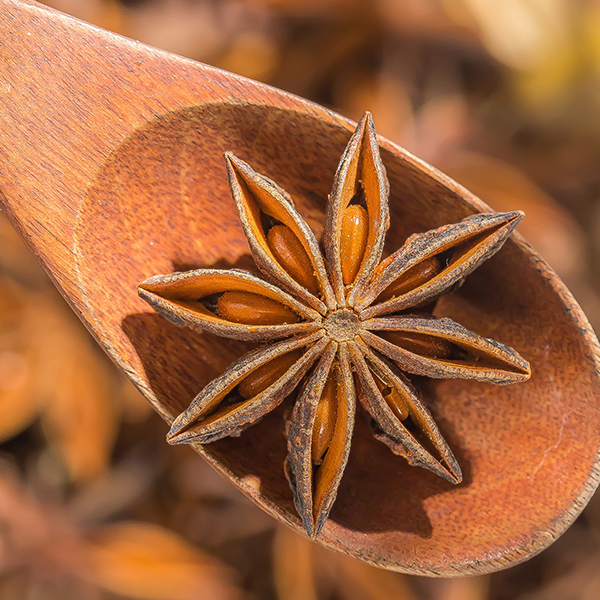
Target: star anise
point(346, 323)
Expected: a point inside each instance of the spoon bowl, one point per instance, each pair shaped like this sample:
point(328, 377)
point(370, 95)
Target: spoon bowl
point(113, 171)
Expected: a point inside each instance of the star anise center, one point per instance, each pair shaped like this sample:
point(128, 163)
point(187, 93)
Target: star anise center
point(342, 325)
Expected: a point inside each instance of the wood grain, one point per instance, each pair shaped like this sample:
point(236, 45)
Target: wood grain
point(111, 169)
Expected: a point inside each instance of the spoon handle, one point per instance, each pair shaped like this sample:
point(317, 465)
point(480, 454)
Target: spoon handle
point(70, 93)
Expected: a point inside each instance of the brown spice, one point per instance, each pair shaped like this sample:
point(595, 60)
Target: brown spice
point(355, 229)
point(350, 324)
point(249, 308)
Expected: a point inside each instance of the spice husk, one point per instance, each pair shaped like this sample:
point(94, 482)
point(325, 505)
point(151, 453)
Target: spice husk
point(342, 325)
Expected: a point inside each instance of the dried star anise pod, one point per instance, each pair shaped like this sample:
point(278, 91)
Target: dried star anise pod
point(347, 325)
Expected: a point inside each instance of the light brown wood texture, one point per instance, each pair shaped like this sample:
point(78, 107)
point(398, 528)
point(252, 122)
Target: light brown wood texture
point(112, 170)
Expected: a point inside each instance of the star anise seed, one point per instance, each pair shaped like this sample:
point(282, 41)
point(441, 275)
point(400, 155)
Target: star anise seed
point(340, 325)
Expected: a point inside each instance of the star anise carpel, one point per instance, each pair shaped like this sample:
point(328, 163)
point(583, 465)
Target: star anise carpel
point(341, 325)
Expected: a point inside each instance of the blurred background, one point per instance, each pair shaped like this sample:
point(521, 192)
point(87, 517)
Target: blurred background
point(503, 96)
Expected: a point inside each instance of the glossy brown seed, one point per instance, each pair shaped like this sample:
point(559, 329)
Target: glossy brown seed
point(258, 381)
point(324, 425)
point(292, 256)
point(253, 309)
point(393, 399)
point(422, 344)
point(353, 241)
point(413, 278)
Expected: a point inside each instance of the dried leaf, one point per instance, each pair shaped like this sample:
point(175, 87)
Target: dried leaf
point(141, 560)
point(293, 569)
point(81, 418)
point(358, 581)
point(19, 406)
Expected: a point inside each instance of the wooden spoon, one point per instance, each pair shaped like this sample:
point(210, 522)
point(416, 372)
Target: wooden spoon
point(111, 169)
